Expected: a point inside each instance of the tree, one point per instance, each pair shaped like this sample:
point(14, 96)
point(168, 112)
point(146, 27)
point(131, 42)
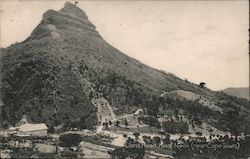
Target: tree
point(105, 124)
point(5, 125)
point(139, 119)
point(51, 129)
point(164, 135)
point(192, 124)
point(117, 123)
point(136, 134)
point(202, 84)
point(69, 140)
point(151, 121)
point(156, 140)
point(175, 127)
point(233, 121)
point(81, 124)
point(181, 118)
point(126, 123)
point(68, 154)
point(198, 133)
point(110, 123)
point(197, 120)
point(166, 140)
point(158, 126)
point(123, 152)
point(176, 113)
point(119, 152)
point(147, 139)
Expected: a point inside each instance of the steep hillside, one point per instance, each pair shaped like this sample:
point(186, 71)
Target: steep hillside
point(238, 92)
point(57, 74)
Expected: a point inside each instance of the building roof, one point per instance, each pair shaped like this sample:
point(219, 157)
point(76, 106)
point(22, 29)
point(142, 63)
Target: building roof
point(32, 127)
point(12, 128)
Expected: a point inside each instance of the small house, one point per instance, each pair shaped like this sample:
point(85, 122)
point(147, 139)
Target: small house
point(33, 129)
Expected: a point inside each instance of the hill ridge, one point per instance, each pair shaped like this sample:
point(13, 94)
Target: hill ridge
point(55, 74)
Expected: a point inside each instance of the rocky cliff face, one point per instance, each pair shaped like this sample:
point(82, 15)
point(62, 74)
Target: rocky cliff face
point(54, 74)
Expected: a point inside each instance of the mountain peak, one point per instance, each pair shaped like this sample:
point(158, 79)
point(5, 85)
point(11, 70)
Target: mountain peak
point(69, 4)
point(66, 73)
point(73, 10)
point(68, 19)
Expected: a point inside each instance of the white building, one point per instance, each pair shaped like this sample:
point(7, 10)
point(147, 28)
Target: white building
point(6, 153)
point(33, 129)
point(12, 130)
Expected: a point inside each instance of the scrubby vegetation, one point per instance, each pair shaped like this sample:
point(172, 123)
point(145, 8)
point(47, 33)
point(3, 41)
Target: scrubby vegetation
point(69, 140)
point(175, 127)
point(54, 74)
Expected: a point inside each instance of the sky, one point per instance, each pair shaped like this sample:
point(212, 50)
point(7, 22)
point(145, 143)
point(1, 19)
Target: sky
point(197, 40)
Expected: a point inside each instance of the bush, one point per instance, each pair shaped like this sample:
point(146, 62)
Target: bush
point(151, 121)
point(51, 129)
point(124, 152)
point(69, 154)
point(175, 127)
point(198, 133)
point(147, 140)
point(156, 140)
point(69, 140)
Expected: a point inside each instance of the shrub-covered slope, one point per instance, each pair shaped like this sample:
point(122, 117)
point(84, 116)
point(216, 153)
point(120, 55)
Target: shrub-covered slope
point(53, 75)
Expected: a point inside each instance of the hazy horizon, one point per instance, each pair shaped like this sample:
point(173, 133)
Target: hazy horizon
point(197, 40)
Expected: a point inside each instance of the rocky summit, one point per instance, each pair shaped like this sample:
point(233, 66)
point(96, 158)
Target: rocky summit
point(65, 73)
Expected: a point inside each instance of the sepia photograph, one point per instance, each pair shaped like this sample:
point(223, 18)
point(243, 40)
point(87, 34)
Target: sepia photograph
point(125, 79)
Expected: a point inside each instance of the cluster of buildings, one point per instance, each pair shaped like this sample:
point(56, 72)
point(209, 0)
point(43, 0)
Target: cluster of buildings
point(20, 136)
point(24, 128)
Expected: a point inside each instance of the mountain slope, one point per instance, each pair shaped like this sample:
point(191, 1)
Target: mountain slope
point(238, 92)
point(65, 64)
